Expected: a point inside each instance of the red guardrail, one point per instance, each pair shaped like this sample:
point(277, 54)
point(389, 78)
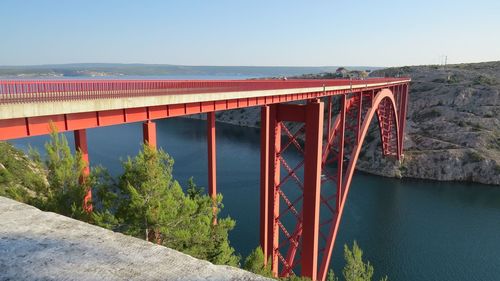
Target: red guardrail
point(24, 91)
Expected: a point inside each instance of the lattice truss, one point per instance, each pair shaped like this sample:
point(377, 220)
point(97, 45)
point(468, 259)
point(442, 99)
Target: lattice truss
point(345, 115)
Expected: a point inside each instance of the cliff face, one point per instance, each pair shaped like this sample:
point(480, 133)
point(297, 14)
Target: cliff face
point(453, 125)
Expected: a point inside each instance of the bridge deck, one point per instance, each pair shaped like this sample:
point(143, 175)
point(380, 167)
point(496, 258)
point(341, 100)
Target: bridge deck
point(27, 106)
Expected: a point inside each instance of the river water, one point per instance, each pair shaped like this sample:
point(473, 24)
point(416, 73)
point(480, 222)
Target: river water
point(411, 230)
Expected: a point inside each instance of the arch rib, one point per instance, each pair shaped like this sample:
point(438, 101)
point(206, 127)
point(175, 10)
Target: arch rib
point(383, 95)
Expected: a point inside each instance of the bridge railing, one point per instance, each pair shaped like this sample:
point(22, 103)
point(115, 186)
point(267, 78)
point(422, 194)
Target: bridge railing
point(27, 91)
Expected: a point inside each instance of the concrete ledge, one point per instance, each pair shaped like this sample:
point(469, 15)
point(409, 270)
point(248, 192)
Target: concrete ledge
point(36, 245)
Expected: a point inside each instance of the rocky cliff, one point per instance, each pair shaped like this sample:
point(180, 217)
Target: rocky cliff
point(453, 125)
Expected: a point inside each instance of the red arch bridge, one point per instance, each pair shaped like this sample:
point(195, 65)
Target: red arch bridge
point(325, 121)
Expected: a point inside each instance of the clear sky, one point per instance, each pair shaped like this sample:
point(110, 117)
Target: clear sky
point(249, 32)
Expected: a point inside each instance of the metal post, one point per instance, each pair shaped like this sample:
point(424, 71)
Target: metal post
point(274, 180)
point(312, 189)
point(329, 120)
point(402, 120)
point(81, 145)
point(212, 161)
point(264, 180)
point(340, 159)
point(360, 111)
point(149, 133)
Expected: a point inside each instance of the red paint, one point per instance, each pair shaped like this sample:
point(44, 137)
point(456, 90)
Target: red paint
point(231, 104)
point(220, 105)
point(41, 125)
point(149, 133)
point(13, 128)
point(264, 180)
point(136, 114)
point(212, 159)
point(312, 189)
point(274, 180)
point(192, 108)
point(207, 106)
point(82, 120)
point(81, 145)
point(340, 155)
point(176, 110)
point(111, 117)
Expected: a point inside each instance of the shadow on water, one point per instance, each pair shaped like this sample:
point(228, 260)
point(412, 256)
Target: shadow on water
point(408, 229)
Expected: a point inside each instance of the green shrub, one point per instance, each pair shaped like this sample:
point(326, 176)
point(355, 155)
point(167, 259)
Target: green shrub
point(439, 80)
point(453, 79)
point(474, 156)
point(484, 80)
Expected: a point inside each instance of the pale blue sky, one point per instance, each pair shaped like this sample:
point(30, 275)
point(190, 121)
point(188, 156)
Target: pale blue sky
point(253, 32)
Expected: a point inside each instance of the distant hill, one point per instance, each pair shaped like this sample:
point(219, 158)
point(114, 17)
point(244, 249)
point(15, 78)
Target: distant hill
point(117, 70)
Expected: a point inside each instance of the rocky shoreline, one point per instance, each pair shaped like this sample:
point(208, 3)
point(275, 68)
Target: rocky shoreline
point(453, 125)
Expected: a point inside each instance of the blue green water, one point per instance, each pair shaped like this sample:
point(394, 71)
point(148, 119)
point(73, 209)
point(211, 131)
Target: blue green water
point(411, 230)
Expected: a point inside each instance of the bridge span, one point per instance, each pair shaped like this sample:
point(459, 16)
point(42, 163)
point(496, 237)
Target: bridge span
point(301, 203)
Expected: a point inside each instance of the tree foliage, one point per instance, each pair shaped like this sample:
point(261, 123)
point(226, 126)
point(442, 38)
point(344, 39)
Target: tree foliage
point(20, 178)
point(147, 202)
point(356, 269)
point(255, 263)
point(67, 184)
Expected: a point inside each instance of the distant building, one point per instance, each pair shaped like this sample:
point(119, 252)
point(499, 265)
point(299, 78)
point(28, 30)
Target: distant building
point(341, 72)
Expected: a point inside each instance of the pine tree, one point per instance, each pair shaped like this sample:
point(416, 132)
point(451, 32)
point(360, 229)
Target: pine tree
point(66, 182)
point(356, 269)
point(331, 276)
point(193, 190)
point(255, 263)
point(147, 202)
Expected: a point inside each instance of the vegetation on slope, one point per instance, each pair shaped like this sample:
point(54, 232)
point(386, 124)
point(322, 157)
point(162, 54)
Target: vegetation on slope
point(355, 269)
point(145, 201)
point(20, 178)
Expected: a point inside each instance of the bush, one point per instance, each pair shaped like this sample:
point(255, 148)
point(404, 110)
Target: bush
point(453, 79)
point(147, 202)
point(20, 178)
point(484, 80)
point(439, 80)
point(474, 156)
point(433, 113)
point(255, 263)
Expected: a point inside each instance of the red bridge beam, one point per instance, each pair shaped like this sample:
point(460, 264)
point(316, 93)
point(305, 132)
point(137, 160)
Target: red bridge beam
point(38, 125)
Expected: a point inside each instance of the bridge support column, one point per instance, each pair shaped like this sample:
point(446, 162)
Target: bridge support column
point(81, 145)
point(149, 133)
point(274, 180)
point(402, 116)
point(264, 180)
point(271, 222)
point(212, 160)
point(312, 188)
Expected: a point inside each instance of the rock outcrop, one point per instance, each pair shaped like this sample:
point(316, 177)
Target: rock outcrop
point(453, 125)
